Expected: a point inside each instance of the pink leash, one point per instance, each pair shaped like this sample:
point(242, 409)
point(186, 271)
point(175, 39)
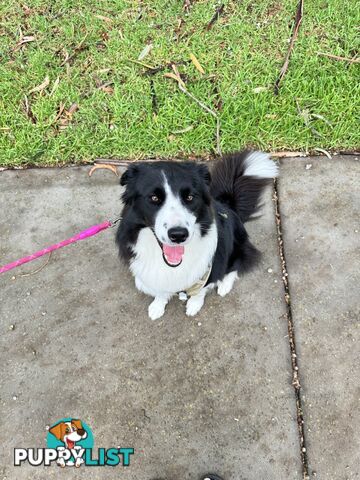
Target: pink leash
point(89, 232)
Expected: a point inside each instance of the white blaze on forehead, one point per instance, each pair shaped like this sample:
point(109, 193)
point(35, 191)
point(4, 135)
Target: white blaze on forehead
point(69, 425)
point(172, 214)
point(259, 164)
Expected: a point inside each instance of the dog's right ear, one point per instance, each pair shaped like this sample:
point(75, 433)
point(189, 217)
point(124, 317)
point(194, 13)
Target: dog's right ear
point(58, 431)
point(129, 174)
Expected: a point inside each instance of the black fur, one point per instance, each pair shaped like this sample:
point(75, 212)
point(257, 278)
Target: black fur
point(226, 196)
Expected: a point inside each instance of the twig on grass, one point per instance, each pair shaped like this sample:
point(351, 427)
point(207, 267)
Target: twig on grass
point(216, 16)
point(154, 102)
point(298, 19)
point(325, 152)
point(336, 57)
point(77, 49)
point(208, 110)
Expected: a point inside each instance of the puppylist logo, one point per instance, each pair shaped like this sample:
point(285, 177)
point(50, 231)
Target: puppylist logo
point(70, 443)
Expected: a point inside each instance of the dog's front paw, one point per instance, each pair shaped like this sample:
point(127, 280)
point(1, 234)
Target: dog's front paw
point(226, 284)
point(223, 289)
point(156, 308)
point(193, 305)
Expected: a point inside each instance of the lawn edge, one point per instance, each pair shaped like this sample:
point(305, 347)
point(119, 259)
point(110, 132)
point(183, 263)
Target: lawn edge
point(118, 161)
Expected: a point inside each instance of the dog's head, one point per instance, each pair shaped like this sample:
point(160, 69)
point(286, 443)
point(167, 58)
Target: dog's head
point(69, 432)
point(173, 199)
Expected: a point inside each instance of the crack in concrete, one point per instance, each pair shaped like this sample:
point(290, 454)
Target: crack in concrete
point(292, 343)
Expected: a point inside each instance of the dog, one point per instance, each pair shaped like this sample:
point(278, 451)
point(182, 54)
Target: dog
point(69, 433)
point(182, 228)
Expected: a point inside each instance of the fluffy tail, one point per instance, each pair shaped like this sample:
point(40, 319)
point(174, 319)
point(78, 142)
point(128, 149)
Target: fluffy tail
point(238, 180)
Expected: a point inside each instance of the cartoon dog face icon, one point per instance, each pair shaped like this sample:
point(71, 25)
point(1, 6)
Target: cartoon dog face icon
point(69, 432)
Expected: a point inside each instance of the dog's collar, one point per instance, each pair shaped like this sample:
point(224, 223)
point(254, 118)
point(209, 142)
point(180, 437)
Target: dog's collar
point(197, 286)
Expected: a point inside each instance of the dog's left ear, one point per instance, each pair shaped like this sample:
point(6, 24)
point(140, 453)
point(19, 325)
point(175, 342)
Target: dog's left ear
point(204, 173)
point(130, 173)
point(58, 431)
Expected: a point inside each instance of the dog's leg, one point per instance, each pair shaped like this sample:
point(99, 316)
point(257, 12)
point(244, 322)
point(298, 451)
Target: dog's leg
point(226, 284)
point(157, 307)
point(195, 303)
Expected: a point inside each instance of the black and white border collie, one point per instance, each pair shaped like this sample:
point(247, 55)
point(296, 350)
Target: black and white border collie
point(182, 228)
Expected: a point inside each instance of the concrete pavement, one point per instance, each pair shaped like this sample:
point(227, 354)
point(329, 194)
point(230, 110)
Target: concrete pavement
point(212, 392)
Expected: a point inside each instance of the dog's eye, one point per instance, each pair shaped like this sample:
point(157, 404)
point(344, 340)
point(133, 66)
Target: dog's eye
point(155, 199)
point(67, 430)
point(189, 198)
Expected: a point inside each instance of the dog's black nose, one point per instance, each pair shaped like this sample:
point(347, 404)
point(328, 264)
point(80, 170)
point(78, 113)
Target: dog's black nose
point(81, 432)
point(178, 234)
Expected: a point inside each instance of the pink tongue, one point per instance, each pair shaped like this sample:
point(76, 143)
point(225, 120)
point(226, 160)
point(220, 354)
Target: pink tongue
point(173, 254)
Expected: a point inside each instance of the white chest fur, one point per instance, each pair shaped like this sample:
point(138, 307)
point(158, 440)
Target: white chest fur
point(154, 277)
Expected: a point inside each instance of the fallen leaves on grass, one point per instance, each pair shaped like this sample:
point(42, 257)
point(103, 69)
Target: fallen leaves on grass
point(104, 86)
point(259, 89)
point(64, 117)
point(297, 23)
point(24, 39)
point(105, 19)
point(145, 52)
point(42, 86)
point(107, 88)
point(187, 5)
point(183, 130)
point(196, 63)
point(105, 166)
point(28, 110)
point(55, 86)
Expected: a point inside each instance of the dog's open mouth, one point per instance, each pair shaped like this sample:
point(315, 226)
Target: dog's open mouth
point(172, 254)
point(70, 443)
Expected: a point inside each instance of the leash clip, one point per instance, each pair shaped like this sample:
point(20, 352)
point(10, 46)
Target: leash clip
point(114, 222)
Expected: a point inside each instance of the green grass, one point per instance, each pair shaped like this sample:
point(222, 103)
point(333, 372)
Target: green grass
point(244, 50)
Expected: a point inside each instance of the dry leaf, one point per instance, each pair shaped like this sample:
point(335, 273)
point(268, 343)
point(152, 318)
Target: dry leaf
point(55, 86)
point(175, 77)
point(259, 89)
point(60, 111)
point(321, 117)
point(42, 85)
point(105, 167)
point(145, 52)
point(196, 63)
point(106, 19)
point(287, 154)
point(183, 130)
point(106, 87)
point(64, 116)
point(73, 107)
point(325, 152)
